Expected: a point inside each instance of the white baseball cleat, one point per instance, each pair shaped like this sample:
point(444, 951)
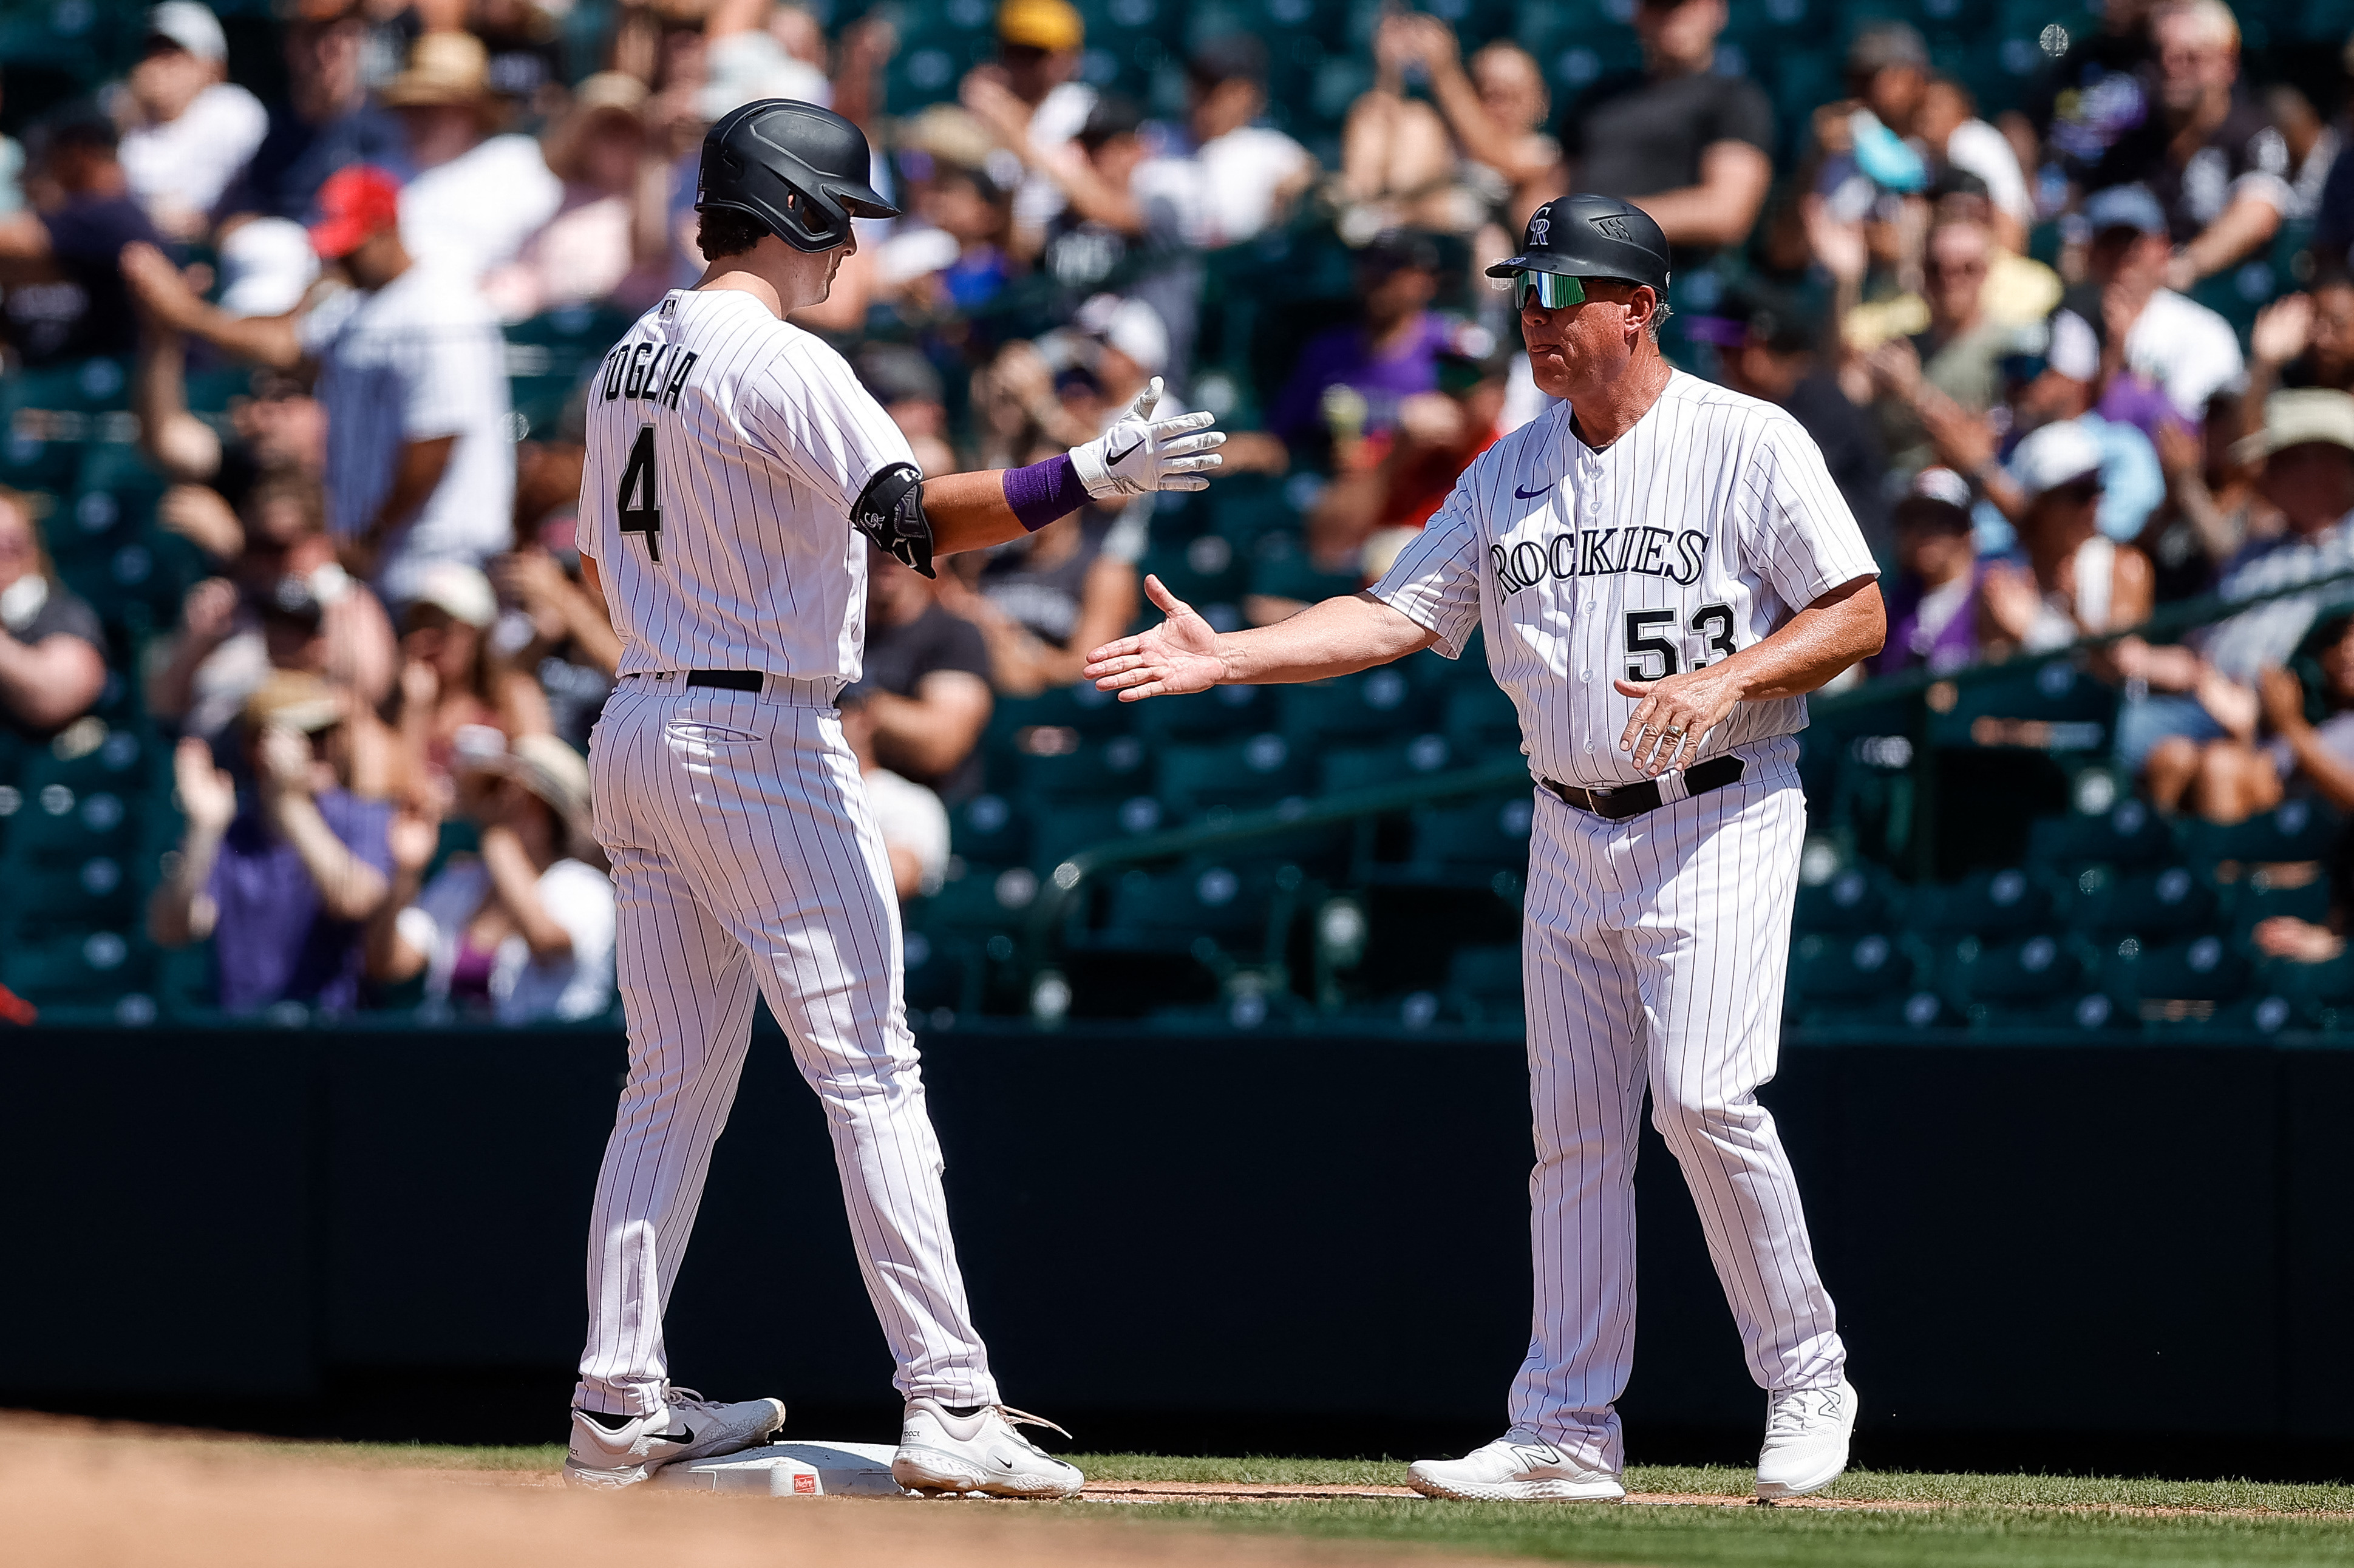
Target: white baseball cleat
point(1514, 1469)
point(1806, 1434)
point(688, 1426)
point(943, 1452)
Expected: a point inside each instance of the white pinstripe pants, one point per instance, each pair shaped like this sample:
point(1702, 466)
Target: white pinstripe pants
point(1652, 958)
point(745, 862)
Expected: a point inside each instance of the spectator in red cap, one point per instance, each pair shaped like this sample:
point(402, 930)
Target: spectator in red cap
point(411, 371)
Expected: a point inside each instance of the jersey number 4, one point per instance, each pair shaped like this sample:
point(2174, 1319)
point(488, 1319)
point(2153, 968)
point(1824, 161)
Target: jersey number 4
point(636, 503)
point(1711, 624)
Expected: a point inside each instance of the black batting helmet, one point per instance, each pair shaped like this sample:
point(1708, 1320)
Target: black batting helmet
point(799, 171)
point(1592, 236)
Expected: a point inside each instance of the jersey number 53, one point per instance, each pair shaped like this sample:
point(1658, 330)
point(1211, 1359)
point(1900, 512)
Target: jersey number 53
point(638, 503)
point(1651, 657)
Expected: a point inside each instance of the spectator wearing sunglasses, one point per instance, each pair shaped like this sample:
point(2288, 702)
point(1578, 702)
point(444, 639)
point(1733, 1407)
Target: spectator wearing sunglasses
point(2069, 579)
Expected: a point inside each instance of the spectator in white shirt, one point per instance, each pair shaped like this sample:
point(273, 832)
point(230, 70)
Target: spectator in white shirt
point(913, 824)
point(1037, 58)
point(1251, 173)
point(1948, 124)
point(606, 241)
point(187, 131)
point(412, 372)
point(2185, 350)
point(523, 930)
point(476, 197)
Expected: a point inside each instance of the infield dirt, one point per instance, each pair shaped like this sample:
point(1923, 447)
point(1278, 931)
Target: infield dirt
point(76, 1494)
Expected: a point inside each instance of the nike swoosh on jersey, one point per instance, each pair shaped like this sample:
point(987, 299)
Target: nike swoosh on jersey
point(1529, 495)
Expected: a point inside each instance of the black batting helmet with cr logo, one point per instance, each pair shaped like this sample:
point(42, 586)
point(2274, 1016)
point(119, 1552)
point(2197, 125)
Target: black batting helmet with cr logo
point(1592, 236)
point(799, 171)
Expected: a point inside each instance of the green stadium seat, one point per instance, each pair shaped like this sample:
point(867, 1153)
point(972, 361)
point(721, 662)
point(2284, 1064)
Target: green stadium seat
point(2183, 981)
point(2005, 903)
point(1243, 910)
point(1468, 846)
point(2321, 994)
point(1367, 767)
point(1204, 571)
point(51, 898)
point(1058, 834)
point(2260, 897)
point(943, 974)
point(1855, 900)
point(1240, 775)
point(987, 830)
point(2053, 708)
point(1992, 981)
point(1078, 706)
point(1221, 713)
point(2155, 905)
point(56, 825)
point(89, 968)
point(1484, 985)
point(1280, 569)
point(1377, 705)
point(1480, 720)
point(1835, 980)
point(975, 906)
point(1112, 769)
point(2296, 829)
point(2128, 834)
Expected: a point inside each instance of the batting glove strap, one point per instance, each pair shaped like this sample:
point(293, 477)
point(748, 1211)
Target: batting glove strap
point(1140, 455)
point(890, 512)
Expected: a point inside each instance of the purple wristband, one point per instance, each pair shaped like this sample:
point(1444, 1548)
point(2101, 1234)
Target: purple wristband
point(1045, 491)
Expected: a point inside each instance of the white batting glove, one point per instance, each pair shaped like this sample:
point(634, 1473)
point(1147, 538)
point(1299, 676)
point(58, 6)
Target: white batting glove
point(1140, 455)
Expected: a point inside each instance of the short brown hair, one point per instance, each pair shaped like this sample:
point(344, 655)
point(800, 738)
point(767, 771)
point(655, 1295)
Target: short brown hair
point(724, 231)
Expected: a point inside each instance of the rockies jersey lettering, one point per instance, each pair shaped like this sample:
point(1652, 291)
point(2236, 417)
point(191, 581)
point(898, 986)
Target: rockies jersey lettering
point(725, 449)
point(1700, 531)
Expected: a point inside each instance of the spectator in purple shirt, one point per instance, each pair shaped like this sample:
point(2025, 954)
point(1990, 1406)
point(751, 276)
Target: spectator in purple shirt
point(1388, 357)
point(1932, 609)
point(285, 879)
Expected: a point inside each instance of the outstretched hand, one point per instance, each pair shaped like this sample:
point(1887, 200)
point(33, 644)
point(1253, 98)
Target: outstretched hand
point(1178, 656)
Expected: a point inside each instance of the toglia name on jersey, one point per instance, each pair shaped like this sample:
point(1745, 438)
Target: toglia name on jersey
point(647, 370)
point(1597, 552)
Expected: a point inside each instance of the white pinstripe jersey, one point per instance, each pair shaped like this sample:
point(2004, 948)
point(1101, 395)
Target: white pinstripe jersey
point(725, 449)
point(1701, 530)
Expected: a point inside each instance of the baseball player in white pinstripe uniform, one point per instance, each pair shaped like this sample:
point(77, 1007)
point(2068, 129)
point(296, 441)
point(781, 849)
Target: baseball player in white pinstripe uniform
point(736, 473)
point(1661, 570)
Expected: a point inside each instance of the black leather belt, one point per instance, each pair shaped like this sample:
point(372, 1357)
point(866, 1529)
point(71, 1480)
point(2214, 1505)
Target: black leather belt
point(1634, 799)
point(727, 680)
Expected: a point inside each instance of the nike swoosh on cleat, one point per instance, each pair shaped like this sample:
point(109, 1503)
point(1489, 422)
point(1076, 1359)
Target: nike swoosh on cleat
point(1529, 495)
point(684, 1435)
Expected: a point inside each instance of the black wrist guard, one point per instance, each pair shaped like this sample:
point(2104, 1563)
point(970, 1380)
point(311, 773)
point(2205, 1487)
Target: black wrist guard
point(890, 511)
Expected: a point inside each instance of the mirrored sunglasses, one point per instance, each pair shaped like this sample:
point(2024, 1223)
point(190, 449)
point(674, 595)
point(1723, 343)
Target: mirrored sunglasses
point(1551, 290)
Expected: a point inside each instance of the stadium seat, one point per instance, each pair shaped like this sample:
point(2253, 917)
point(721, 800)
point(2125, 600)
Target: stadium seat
point(1855, 900)
point(48, 899)
point(1377, 705)
point(1483, 986)
point(1837, 979)
point(2155, 905)
point(2005, 903)
point(56, 825)
point(1243, 913)
point(987, 830)
point(976, 906)
point(2262, 896)
point(1480, 720)
point(1222, 712)
point(1468, 846)
point(1204, 571)
point(2296, 829)
point(2183, 981)
point(1372, 767)
point(2001, 983)
point(94, 969)
point(2128, 834)
point(1097, 770)
point(1240, 775)
point(1064, 832)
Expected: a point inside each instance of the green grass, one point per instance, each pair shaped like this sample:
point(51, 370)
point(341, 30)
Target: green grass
point(1982, 1521)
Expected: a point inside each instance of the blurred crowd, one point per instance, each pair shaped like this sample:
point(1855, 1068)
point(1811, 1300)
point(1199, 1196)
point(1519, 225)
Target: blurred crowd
point(2074, 360)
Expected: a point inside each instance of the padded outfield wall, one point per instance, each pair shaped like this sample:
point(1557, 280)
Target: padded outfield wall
point(2105, 1257)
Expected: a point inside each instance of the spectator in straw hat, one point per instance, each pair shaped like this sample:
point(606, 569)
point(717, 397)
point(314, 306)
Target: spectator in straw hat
point(606, 240)
point(282, 877)
point(524, 929)
point(476, 196)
